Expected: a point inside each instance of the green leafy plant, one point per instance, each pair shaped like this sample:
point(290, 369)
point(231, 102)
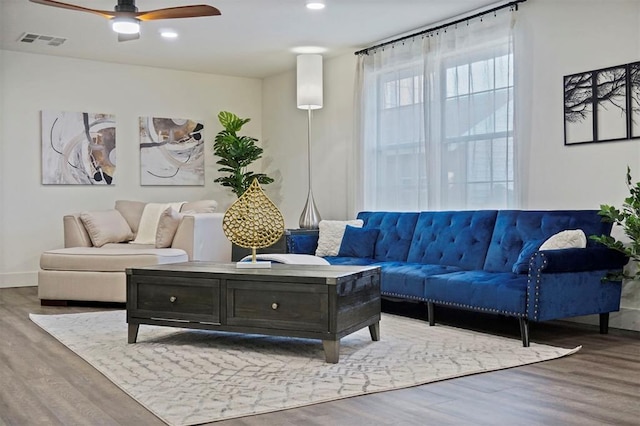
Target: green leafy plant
point(236, 154)
point(629, 218)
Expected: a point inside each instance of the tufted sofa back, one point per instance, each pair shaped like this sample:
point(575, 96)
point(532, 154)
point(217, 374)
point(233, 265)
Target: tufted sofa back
point(396, 231)
point(453, 238)
point(515, 227)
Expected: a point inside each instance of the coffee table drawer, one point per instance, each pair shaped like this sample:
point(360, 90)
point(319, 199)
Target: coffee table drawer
point(192, 299)
point(277, 305)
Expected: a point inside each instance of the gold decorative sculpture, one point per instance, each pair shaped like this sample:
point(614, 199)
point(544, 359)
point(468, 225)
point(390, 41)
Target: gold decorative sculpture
point(254, 222)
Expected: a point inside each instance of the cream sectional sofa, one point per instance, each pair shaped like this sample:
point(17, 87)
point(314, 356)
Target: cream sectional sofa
point(100, 246)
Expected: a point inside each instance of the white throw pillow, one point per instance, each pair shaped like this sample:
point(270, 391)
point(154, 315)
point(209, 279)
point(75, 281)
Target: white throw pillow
point(148, 226)
point(574, 238)
point(330, 234)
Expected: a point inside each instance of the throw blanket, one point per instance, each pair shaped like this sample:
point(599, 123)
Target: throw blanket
point(149, 221)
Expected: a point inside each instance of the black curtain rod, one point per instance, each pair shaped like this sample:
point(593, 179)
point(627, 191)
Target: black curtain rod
point(513, 4)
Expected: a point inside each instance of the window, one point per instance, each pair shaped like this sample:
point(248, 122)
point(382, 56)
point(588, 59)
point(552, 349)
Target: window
point(437, 121)
point(477, 159)
point(399, 150)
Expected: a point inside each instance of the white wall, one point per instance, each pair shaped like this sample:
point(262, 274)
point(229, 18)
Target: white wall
point(285, 133)
point(562, 37)
point(568, 37)
point(31, 213)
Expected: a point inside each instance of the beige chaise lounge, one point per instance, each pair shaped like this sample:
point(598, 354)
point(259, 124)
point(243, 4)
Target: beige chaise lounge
point(98, 249)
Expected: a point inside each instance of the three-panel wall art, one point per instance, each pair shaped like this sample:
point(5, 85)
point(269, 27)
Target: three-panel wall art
point(602, 105)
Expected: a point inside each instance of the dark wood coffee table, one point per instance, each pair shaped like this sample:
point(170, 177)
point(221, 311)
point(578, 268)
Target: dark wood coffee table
point(309, 301)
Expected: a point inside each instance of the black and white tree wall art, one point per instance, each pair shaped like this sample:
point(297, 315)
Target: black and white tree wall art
point(611, 106)
point(578, 108)
point(602, 105)
point(634, 99)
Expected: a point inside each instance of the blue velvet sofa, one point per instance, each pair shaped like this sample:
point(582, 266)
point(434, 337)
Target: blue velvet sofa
point(487, 261)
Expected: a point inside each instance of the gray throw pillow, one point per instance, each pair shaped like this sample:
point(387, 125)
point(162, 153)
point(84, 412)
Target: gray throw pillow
point(167, 227)
point(108, 226)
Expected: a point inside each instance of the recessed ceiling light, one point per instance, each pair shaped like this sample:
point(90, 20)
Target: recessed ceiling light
point(309, 49)
point(315, 4)
point(168, 34)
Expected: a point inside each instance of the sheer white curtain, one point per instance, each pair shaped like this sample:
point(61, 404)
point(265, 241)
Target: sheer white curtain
point(435, 120)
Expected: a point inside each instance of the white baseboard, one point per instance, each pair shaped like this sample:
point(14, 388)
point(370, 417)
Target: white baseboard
point(19, 279)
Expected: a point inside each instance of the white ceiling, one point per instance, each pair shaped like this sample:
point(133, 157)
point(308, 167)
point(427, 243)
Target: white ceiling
point(252, 38)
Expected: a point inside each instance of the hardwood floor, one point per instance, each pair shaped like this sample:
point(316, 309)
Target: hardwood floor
point(44, 383)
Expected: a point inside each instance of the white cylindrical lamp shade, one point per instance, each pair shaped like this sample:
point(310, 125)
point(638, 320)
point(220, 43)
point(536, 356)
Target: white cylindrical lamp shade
point(309, 81)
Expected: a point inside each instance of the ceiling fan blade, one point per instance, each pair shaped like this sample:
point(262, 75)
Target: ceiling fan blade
point(104, 13)
point(127, 37)
point(177, 12)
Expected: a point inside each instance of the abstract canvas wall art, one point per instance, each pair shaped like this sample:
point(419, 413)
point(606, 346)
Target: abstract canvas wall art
point(78, 148)
point(171, 151)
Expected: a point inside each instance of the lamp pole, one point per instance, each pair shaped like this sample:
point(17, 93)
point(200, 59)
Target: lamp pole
point(310, 217)
point(309, 88)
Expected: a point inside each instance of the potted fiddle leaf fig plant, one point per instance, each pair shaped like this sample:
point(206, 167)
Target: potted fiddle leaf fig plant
point(236, 155)
point(628, 217)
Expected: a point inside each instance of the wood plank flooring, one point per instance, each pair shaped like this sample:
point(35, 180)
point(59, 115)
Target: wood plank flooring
point(44, 383)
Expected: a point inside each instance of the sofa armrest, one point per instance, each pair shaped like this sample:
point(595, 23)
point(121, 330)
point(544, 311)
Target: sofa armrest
point(75, 234)
point(570, 282)
point(577, 260)
point(202, 237)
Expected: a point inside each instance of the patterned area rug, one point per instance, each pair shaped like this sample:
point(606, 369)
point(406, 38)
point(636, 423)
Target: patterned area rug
point(187, 377)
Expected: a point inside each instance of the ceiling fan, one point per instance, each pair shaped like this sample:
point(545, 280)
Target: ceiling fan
point(125, 19)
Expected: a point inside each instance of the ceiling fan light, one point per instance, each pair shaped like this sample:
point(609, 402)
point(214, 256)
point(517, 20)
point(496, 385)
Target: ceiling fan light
point(124, 25)
point(315, 4)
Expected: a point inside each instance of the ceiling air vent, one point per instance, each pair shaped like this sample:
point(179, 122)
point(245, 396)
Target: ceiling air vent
point(40, 39)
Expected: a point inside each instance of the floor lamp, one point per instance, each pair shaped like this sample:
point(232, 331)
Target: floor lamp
point(309, 90)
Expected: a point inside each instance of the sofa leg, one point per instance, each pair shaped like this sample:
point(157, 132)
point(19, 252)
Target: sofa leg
point(604, 323)
point(524, 331)
point(431, 313)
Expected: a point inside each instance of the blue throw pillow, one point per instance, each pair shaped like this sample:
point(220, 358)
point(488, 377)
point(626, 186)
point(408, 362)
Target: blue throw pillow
point(358, 242)
point(522, 264)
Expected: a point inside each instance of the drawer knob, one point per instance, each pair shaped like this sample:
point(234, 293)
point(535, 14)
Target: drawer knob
point(173, 299)
point(274, 306)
